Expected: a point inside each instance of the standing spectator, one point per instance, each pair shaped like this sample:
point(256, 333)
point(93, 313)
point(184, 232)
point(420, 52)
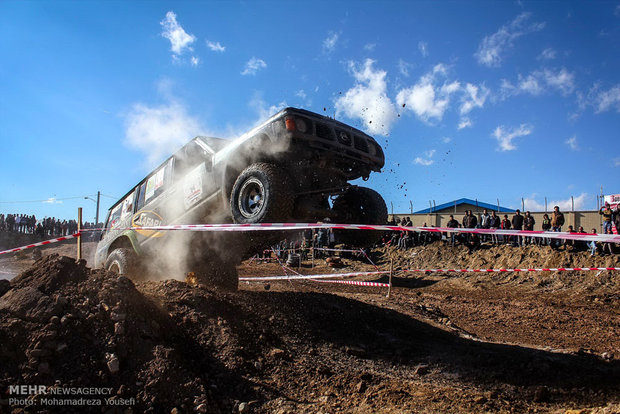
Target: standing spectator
point(470, 222)
point(546, 226)
point(465, 221)
point(528, 224)
point(517, 224)
point(505, 225)
point(494, 223)
point(484, 223)
point(557, 221)
point(452, 224)
point(617, 218)
point(606, 213)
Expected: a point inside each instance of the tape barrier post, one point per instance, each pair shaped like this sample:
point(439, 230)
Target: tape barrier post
point(79, 228)
point(390, 280)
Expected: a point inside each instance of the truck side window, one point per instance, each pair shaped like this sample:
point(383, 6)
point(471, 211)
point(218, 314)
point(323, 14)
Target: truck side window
point(157, 183)
point(141, 193)
point(189, 158)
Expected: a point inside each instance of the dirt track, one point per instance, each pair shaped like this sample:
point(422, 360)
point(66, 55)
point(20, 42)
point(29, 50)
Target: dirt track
point(442, 343)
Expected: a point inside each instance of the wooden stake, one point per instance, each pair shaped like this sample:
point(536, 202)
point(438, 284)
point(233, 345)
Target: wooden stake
point(79, 239)
point(390, 282)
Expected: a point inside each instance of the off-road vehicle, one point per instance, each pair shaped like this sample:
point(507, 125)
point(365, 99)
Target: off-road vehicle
point(294, 167)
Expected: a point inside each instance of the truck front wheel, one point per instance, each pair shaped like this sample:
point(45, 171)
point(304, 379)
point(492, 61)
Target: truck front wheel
point(123, 261)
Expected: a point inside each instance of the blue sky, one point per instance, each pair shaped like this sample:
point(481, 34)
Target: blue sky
point(480, 99)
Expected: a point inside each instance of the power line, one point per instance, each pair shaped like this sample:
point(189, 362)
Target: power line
point(50, 200)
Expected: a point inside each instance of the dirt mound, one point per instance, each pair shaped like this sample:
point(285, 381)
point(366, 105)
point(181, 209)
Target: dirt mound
point(295, 348)
point(440, 256)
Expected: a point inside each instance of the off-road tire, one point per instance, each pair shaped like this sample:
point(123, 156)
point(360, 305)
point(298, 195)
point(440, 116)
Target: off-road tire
point(275, 190)
point(360, 205)
point(123, 261)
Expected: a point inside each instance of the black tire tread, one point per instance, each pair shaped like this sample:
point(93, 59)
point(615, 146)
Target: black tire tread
point(127, 260)
point(279, 209)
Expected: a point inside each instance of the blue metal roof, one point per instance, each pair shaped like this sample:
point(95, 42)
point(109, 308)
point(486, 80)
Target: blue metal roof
point(490, 207)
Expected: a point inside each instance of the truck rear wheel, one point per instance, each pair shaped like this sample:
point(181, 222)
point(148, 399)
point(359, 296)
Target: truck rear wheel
point(360, 205)
point(262, 193)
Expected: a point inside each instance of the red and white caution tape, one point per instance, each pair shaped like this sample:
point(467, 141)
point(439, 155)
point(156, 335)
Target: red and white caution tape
point(43, 243)
point(323, 276)
point(538, 269)
point(608, 238)
point(354, 282)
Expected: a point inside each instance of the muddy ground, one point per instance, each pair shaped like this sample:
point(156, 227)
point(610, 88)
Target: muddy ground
point(508, 342)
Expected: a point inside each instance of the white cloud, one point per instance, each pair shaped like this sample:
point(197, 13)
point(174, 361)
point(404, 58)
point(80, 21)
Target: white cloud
point(505, 137)
point(531, 204)
point(329, 44)
point(52, 200)
point(562, 80)
point(423, 48)
point(539, 82)
point(403, 67)
point(301, 94)
point(474, 98)
point(368, 99)
point(254, 65)
point(427, 160)
point(446, 140)
point(370, 47)
point(617, 162)
point(157, 131)
point(179, 39)
point(617, 10)
point(530, 85)
point(425, 99)
point(572, 143)
point(263, 109)
point(215, 46)
point(607, 100)
point(492, 47)
point(547, 54)
point(195, 61)
point(464, 123)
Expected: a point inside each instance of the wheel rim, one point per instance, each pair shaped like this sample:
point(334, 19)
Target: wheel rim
point(251, 198)
point(115, 268)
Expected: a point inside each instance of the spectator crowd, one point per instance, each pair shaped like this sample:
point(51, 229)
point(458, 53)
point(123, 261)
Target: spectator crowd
point(45, 227)
point(553, 223)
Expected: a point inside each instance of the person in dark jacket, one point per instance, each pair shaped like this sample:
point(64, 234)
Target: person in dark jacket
point(528, 224)
point(452, 224)
point(517, 224)
point(546, 226)
point(557, 221)
point(505, 225)
point(494, 222)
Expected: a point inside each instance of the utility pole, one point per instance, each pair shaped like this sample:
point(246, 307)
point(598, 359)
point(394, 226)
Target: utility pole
point(97, 215)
